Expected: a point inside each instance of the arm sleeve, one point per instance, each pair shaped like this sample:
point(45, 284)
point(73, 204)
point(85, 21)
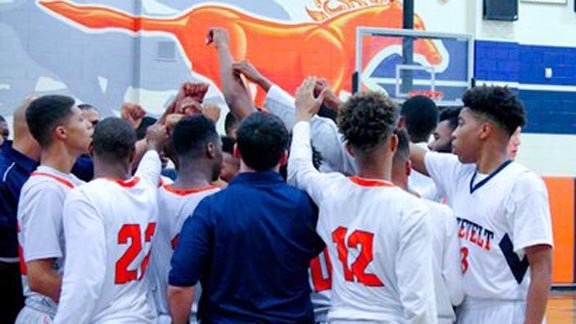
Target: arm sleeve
point(528, 213)
point(150, 167)
point(193, 250)
point(85, 265)
point(41, 221)
point(442, 168)
point(414, 266)
point(281, 104)
point(451, 264)
point(301, 171)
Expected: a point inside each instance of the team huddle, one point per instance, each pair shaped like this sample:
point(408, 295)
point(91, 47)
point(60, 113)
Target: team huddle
point(319, 211)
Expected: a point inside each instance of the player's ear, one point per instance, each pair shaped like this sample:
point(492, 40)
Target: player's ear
point(486, 130)
point(284, 158)
point(393, 143)
point(237, 152)
point(91, 150)
point(401, 122)
point(60, 132)
point(350, 150)
point(210, 150)
point(408, 168)
point(132, 156)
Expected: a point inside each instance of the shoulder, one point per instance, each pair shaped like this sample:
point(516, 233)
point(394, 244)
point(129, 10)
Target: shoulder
point(525, 180)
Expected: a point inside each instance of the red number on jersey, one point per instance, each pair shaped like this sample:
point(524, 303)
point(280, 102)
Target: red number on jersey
point(358, 270)
point(320, 281)
point(464, 255)
point(150, 230)
point(132, 232)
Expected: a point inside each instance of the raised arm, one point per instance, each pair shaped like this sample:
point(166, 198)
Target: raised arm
point(417, 155)
point(235, 93)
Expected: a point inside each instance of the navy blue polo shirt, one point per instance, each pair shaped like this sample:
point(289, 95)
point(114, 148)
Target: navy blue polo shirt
point(250, 245)
point(15, 169)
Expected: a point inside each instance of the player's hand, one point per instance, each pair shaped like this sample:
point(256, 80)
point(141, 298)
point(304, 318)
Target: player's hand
point(156, 137)
point(196, 90)
point(133, 113)
point(188, 106)
point(252, 74)
point(331, 100)
point(306, 104)
point(218, 36)
point(211, 111)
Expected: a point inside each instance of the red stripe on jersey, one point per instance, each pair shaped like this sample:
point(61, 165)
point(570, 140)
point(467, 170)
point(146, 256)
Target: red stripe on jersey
point(126, 183)
point(184, 192)
point(370, 182)
point(23, 269)
point(62, 181)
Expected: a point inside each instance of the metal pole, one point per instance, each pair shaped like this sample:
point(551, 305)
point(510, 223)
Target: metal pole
point(407, 76)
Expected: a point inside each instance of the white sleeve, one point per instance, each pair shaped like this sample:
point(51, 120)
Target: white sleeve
point(451, 263)
point(281, 104)
point(301, 171)
point(414, 266)
point(40, 217)
point(443, 169)
point(528, 213)
point(85, 265)
point(150, 168)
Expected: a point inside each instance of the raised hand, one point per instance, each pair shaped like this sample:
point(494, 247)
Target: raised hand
point(248, 70)
point(156, 137)
point(133, 113)
point(211, 111)
point(218, 36)
point(306, 104)
point(331, 100)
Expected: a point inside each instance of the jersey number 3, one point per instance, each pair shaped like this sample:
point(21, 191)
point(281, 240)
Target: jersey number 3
point(132, 232)
point(355, 240)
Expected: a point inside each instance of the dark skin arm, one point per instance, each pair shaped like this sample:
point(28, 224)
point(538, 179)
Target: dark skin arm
point(540, 258)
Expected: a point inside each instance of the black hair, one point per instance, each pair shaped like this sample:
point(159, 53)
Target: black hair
point(262, 139)
point(450, 114)
point(403, 149)
point(86, 107)
point(367, 119)
point(421, 117)
point(230, 122)
point(46, 113)
point(228, 144)
point(114, 138)
point(498, 104)
point(192, 133)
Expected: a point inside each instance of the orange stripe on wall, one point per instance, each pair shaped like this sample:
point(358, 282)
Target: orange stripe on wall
point(561, 191)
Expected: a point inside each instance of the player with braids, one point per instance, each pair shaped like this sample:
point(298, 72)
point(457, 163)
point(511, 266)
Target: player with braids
point(502, 209)
point(388, 275)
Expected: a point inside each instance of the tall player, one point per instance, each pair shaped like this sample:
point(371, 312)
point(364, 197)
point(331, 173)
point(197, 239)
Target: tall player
point(63, 135)
point(377, 235)
point(199, 152)
point(447, 268)
point(502, 209)
point(108, 225)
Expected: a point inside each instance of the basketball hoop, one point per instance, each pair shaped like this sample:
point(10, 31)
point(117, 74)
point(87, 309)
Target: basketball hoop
point(434, 95)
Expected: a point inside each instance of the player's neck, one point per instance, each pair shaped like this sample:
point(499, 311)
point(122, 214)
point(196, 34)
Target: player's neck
point(375, 165)
point(115, 170)
point(58, 157)
point(193, 177)
point(490, 160)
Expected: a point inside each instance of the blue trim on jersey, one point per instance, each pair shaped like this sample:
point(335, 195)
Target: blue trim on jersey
point(517, 266)
point(474, 187)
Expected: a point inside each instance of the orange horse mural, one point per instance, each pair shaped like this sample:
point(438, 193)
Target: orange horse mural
point(286, 53)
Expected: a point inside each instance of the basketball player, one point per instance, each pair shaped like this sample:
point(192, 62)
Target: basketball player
point(108, 226)
point(198, 148)
point(377, 235)
point(447, 268)
point(502, 209)
point(58, 126)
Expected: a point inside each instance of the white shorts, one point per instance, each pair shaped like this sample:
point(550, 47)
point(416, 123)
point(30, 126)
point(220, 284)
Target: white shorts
point(482, 311)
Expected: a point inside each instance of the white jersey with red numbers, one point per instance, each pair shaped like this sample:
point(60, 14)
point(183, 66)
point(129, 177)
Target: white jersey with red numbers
point(174, 207)
point(40, 231)
point(321, 281)
point(446, 261)
point(499, 216)
point(379, 240)
point(109, 225)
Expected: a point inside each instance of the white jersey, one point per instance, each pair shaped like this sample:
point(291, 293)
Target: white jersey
point(109, 225)
point(446, 261)
point(421, 184)
point(378, 237)
point(40, 231)
point(174, 207)
point(499, 215)
point(325, 135)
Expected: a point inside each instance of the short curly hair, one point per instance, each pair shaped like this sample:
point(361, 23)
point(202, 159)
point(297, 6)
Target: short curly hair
point(498, 104)
point(368, 119)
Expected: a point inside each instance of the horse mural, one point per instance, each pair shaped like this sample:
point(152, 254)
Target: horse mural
point(285, 52)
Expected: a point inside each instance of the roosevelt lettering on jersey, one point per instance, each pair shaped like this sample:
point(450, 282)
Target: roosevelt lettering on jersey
point(474, 233)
